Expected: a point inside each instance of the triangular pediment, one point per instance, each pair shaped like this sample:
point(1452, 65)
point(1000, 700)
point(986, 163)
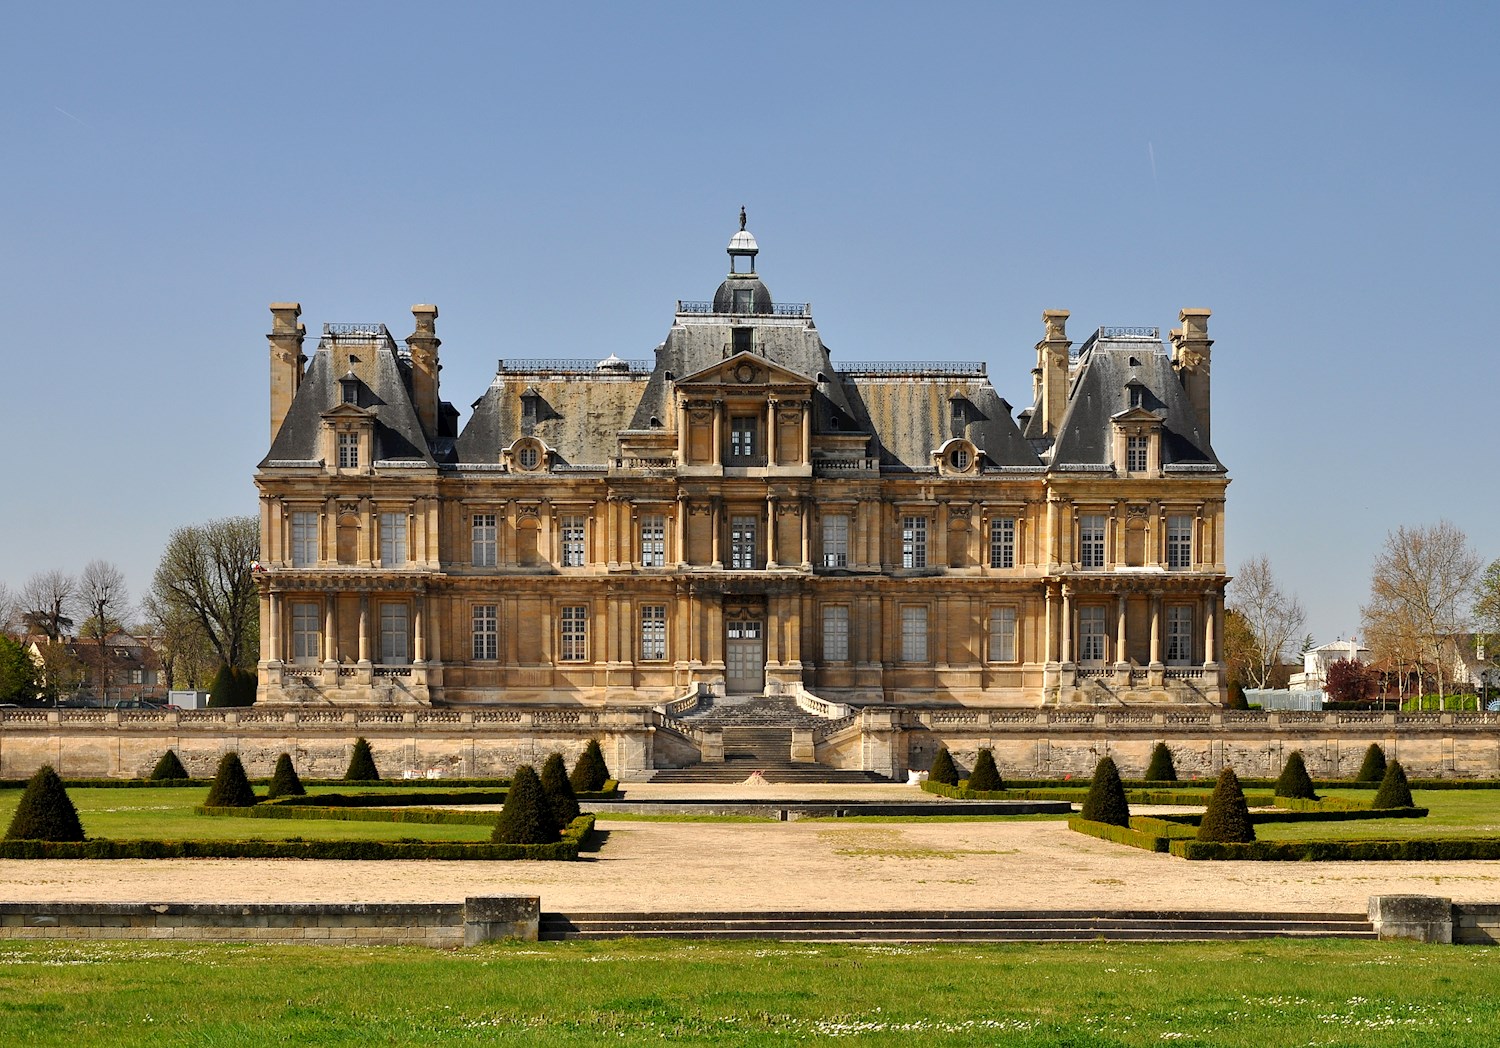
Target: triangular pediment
point(745, 369)
point(346, 411)
point(1136, 415)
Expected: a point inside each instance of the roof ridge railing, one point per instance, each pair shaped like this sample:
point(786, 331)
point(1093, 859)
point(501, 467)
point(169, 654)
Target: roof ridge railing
point(1153, 333)
point(357, 331)
point(778, 309)
point(574, 365)
point(925, 367)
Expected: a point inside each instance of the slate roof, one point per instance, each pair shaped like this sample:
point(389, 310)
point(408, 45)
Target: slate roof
point(577, 416)
point(912, 416)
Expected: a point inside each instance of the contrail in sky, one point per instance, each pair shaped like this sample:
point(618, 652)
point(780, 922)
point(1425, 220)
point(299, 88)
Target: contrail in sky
point(70, 116)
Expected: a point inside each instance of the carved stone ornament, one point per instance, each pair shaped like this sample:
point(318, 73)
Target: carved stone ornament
point(791, 416)
point(1134, 512)
point(699, 509)
point(788, 509)
point(959, 510)
point(1189, 359)
point(745, 372)
point(529, 512)
point(349, 509)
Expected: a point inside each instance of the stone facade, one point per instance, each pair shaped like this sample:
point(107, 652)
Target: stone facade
point(742, 512)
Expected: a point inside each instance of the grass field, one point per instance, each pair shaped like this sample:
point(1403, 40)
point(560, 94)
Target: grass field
point(1451, 813)
point(1078, 995)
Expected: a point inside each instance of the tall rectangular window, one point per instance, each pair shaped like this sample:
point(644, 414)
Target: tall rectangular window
point(1091, 540)
point(485, 631)
point(913, 634)
point(573, 527)
point(304, 539)
point(835, 633)
point(1179, 634)
point(1091, 633)
point(1179, 541)
point(1003, 634)
point(914, 542)
point(348, 451)
point(653, 632)
point(742, 437)
point(653, 541)
point(482, 549)
point(742, 543)
point(392, 538)
point(1135, 454)
point(835, 540)
point(574, 633)
point(393, 633)
point(305, 632)
point(1003, 542)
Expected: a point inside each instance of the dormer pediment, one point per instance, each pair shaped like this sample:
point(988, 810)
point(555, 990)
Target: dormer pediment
point(347, 412)
point(1136, 415)
point(745, 369)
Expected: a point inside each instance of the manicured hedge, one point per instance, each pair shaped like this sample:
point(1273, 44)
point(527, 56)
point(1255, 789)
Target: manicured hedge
point(1077, 794)
point(1448, 848)
point(425, 816)
point(1119, 834)
point(382, 800)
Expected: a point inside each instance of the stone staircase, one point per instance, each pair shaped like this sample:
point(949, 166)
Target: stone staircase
point(778, 771)
point(958, 926)
point(757, 734)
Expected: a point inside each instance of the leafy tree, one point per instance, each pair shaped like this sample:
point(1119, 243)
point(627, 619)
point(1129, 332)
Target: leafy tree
point(18, 673)
point(168, 769)
point(46, 603)
point(362, 763)
point(231, 787)
point(45, 812)
point(1487, 600)
point(526, 817)
point(1294, 781)
point(943, 769)
point(1373, 768)
point(590, 773)
point(1421, 586)
point(1394, 790)
point(1349, 680)
point(205, 574)
point(560, 796)
point(103, 595)
point(985, 775)
point(1271, 616)
point(1106, 800)
point(1227, 818)
point(285, 782)
point(1161, 768)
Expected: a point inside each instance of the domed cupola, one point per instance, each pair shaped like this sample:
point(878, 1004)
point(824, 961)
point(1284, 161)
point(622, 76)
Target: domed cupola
point(742, 293)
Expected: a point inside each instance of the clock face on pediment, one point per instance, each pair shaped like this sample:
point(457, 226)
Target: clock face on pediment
point(745, 369)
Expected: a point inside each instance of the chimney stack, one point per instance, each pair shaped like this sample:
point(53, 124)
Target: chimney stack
point(1052, 363)
point(1191, 358)
point(424, 343)
point(286, 360)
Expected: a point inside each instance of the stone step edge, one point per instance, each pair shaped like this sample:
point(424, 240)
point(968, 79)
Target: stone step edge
point(958, 915)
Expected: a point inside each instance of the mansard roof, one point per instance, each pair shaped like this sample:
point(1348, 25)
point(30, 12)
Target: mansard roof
point(576, 414)
point(912, 415)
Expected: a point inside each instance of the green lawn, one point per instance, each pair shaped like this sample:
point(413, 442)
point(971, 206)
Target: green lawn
point(1080, 995)
point(1451, 813)
point(167, 814)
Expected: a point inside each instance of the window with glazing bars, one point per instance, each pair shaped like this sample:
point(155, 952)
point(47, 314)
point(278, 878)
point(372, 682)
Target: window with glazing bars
point(486, 631)
point(1135, 454)
point(574, 633)
point(835, 540)
point(1091, 540)
point(305, 632)
point(653, 632)
point(914, 542)
point(348, 451)
point(836, 633)
point(482, 553)
point(393, 538)
point(1003, 542)
point(1179, 541)
point(653, 541)
point(304, 539)
point(572, 541)
point(742, 543)
point(393, 620)
point(913, 634)
point(742, 437)
point(1003, 634)
point(1091, 633)
point(1179, 634)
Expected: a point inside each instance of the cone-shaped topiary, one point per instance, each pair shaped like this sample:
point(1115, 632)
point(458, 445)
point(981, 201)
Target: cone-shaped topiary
point(1161, 768)
point(168, 768)
point(231, 788)
point(1294, 780)
point(943, 769)
point(590, 773)
point(232, 687)
point(560, 796)
point(1373, 768)
point(985, 775)
point(362, 763)
point(1228, 817)
point(1106, 798)
point(285, 782)
point(526, 817)
point(45, 812)
point(1237, 700)
point(1394, 791)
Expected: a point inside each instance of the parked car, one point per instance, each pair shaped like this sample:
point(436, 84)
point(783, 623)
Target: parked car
point(136, 704)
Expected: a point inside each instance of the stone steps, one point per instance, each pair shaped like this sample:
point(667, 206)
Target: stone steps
point(957, 926)
point(777, 771)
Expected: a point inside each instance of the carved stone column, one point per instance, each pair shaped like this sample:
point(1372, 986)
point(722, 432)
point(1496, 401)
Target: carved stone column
point(772, 526)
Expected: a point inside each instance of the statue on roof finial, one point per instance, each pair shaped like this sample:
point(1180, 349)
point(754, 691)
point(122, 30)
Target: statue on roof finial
point(742, 216)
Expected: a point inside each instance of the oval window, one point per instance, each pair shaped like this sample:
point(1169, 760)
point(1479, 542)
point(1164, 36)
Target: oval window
point(960, 459)
point(530, 456)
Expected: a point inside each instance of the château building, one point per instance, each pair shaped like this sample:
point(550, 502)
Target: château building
point(741, 511)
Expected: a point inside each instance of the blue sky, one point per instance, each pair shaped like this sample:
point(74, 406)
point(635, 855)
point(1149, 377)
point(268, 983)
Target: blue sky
point(1322, 176)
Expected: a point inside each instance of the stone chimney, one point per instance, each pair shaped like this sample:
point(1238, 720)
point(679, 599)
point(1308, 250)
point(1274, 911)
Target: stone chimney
point(286, 360)
point(1190, 358)
point(424, 344)
point(1052, 364)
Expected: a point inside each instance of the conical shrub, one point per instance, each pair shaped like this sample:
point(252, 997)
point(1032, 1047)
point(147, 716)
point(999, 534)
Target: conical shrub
point(231, 788)
point(590, 773)
point(1373, 767)
point(1394, 790)
point(45, 811)
point(1294, 780)
point(943, 769)
point(560, 796)
point(1161, 768)
point(285, 782)
point(1237, 700)
point(526, 817)
point(362, 763)
point(168, 768)
point(985, 775)
point(232, 687)
point(1228, 817)
point(1106, 798)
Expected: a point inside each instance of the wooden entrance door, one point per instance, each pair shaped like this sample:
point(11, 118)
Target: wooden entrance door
point(744, 655)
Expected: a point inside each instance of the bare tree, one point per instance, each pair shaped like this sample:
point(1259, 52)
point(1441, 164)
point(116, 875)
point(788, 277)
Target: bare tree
point(1421, 588)
point(1273, 618)
point(102, 592)
point(9, 610)
point(206, 572)
point(187, 658)
point(47, 603)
